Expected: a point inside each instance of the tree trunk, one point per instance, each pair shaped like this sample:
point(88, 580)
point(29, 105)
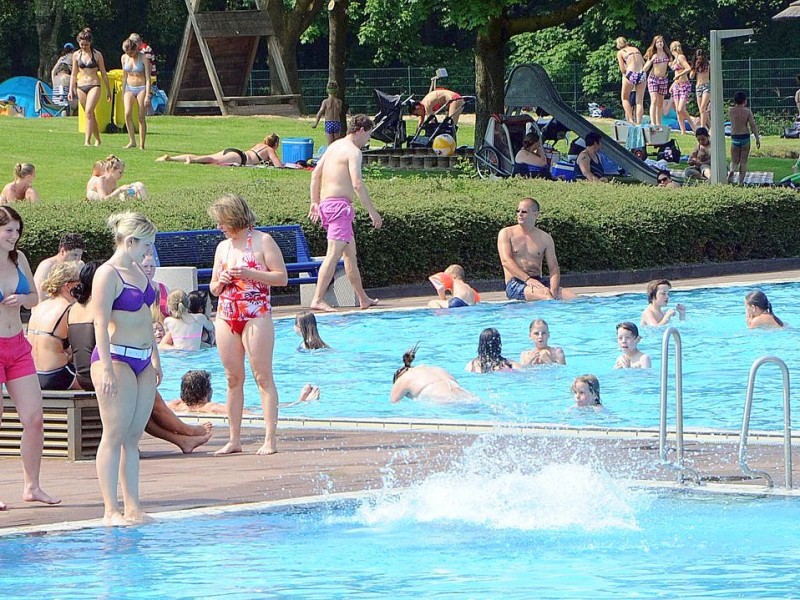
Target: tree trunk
point(48, 15)
point(289, 57)
point(490, 71)
point(337, 51)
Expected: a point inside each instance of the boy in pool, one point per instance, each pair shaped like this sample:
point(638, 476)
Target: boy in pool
point(628, 340)
point(541, 354)
point(658, 298)
point(452, 280)
point(586, 391)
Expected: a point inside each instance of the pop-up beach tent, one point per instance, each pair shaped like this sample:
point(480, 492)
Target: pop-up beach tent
point(24, 90)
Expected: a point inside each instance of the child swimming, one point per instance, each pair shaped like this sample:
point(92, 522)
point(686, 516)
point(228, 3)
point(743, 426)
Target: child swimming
point(541, 354)
point(452, 280)
point(490, 354)
point(658, 298)
point(586, 391)
point(305, 325)
point(628, 340)
point(758, 312)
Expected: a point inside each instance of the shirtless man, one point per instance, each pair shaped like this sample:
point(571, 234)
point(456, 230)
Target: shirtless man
point(436, 99)
point(70, 248)
point(742, 123)
point(431, 383)
point(522, 248)
point(334, 182)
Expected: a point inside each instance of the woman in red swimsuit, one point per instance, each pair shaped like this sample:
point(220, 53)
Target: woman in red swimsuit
point(246, 264)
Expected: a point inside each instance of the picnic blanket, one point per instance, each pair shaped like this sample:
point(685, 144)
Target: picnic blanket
point(751, 178)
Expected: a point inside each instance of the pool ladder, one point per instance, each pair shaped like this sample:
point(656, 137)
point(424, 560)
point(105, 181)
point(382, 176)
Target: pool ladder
point(673, 334)
point(787, 423)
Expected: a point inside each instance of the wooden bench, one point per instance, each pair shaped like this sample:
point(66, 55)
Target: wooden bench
point(72, 426)
point(196, 249)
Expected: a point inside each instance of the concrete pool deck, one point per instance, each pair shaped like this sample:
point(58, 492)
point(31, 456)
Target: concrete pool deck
point(354, 456)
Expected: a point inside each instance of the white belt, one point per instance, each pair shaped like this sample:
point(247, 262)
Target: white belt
point(139, 353)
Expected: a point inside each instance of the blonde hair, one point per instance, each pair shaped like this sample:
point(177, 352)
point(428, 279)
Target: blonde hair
point(177, 303)
point(130, 224)
point(59, 275)
point(98, 168)
point(675, 47)
point(129, 44)
point(135, 37)
point(23, 170)
point(592, 382)
point(272, 140)
point(456, 271)
point(112, 162)
point(621, 42)
point(231, 210)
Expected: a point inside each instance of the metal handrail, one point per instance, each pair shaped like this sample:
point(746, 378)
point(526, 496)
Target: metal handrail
point(787, 423)
point(673, 333)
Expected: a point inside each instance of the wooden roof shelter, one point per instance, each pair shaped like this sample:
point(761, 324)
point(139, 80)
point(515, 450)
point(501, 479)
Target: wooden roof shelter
point(215, 61)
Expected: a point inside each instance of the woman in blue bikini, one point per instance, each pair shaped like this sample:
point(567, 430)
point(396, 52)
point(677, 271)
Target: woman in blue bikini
point(17, 371)
point(125, 364)
point(87, 68)
point(136, 86)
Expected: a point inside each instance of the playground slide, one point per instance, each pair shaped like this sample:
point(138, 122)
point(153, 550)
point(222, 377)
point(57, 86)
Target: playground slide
point(530, 86)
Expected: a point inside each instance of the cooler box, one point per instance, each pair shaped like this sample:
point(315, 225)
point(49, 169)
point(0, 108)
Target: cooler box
point(620, 131)
point(656, 135)
point(563, 170)
point(294, 149)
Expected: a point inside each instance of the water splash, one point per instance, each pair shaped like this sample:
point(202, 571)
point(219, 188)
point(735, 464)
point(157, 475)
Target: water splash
point(500, 484)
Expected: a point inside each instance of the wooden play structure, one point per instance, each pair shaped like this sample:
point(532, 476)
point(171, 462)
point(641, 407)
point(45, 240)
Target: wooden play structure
point(215, 60)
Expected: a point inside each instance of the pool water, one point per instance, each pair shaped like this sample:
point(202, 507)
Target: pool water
point(521, 529)
point(356, 375)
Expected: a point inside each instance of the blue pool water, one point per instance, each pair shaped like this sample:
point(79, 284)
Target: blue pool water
point(476, 531)
point(356, 376)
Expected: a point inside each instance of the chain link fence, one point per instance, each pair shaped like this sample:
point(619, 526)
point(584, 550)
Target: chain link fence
point(770, 85)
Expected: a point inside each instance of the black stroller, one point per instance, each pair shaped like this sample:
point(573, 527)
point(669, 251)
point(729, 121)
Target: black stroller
point(390, 128)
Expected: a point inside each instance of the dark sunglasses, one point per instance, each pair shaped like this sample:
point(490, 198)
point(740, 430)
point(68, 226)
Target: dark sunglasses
point(663, 180)
point(521, 212)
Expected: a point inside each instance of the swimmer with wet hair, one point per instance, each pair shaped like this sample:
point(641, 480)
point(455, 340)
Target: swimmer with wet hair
point(426, 382)
point(658, 298)
point(305, 325)
point(586, 390)
point(758, 312)
point(541, 354)
point(628, 339)
point(490, 354)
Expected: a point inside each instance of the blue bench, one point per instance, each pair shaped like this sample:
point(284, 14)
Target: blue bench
point(196, 249)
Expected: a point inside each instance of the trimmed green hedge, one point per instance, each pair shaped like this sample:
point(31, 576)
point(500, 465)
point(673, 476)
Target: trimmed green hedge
point(432, 222)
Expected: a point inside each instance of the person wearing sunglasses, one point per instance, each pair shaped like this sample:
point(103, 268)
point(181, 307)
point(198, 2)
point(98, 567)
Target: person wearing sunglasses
point(522, 248)
point(665, 180)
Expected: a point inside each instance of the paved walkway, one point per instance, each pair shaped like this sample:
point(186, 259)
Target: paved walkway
point(314, 460)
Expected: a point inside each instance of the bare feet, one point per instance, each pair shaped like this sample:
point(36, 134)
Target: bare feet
point(129, 145)
point(309, 393)
point(189, 443)
point(164, 158)
point(114, 519)
point(267, 449)
point(97, 142)
point(229, 448)
point(137, 517)
point(370, 303)
point(3, 506)
point(322, 305)
point(188, 160)
point(38, 495)
point(207, 426)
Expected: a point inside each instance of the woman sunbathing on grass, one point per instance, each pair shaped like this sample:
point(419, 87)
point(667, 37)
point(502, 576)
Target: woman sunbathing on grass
point(262, 153)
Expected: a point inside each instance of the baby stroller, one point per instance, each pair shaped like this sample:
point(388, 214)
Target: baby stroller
point(432, 127)
point(390, 128)
point(501, 142)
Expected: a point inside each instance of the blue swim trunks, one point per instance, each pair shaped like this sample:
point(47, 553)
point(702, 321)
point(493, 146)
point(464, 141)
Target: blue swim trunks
point(740, 140)
point(333, 126)
point(456, 303)
point(515, 288)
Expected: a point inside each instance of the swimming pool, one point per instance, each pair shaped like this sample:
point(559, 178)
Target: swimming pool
point(496, 525)
point(356, 377)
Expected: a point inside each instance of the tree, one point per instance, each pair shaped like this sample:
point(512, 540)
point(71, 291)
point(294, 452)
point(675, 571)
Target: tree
point(290, 22)
point(337, 51)
point(48, 15)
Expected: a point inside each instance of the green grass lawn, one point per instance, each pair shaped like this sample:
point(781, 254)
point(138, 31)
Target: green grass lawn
point(64, 165)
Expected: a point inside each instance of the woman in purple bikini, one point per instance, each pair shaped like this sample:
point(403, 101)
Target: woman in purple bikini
point(631, 65)
point(681, 86)
point(125, 364)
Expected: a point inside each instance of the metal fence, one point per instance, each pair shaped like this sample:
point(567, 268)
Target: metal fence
point(770, 84)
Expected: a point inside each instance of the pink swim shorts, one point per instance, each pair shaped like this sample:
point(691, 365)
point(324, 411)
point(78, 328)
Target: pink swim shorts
point(337, 216)
point(16, 361)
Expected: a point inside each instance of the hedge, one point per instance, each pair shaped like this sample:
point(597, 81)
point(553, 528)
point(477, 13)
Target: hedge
point(432, 222)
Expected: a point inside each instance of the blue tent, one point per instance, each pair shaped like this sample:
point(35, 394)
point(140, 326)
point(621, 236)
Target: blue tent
point(24, 90)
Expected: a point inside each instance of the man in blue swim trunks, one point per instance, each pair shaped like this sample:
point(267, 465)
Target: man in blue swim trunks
point(522, 247)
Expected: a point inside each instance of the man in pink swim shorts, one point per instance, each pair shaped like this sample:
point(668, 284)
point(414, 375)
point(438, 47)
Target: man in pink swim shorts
point(334, 182)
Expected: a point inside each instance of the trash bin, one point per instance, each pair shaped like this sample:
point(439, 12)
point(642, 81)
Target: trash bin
point(103, 110)
point(294, 149)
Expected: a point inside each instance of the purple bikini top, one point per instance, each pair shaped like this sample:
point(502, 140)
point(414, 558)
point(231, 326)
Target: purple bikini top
point(131, 298)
